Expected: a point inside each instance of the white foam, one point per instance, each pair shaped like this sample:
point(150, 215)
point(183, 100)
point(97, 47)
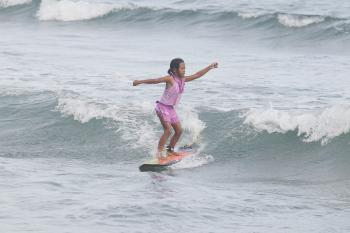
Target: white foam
point(7, 3)
point(251, 14)
point(322, 125)
point(14, 91)
point(68, 10)
point(190, 121)
point(195, 160)
point(298, 20)
point(127, 119)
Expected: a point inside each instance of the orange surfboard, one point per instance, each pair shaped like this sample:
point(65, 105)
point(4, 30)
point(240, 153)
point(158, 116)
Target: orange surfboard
point(165, 162)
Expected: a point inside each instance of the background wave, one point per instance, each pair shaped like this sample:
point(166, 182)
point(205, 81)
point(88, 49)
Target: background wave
point(226, 19)
point(314, 126)
point(10, 3)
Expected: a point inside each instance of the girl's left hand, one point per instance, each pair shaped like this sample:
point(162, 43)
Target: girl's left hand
point(214, 65)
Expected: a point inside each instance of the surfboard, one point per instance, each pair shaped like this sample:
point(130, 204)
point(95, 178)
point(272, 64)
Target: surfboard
point(162, 164)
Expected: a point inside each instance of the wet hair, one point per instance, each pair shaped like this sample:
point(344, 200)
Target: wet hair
point(174, 64)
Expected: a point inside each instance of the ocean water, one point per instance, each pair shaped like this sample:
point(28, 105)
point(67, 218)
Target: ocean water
point(271, 124)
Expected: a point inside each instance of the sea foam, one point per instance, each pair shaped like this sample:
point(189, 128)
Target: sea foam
point(8, 3)
point(321, 125)
point(67, 10)
point(298, 20)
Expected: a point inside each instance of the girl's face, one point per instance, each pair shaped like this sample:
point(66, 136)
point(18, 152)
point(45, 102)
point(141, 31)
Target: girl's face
point(182, 69)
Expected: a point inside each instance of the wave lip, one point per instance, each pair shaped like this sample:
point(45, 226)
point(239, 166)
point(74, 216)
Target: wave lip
point(8, 3)
point(287, 20)
point(252, 14)
point(298, 20)
point(314, 126)
point(66, 10)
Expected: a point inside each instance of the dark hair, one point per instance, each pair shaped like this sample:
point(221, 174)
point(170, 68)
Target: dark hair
point(174, 64)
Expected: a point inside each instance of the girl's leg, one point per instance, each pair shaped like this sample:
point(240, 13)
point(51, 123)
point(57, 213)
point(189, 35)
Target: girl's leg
point(167, 131)
point(178, 131)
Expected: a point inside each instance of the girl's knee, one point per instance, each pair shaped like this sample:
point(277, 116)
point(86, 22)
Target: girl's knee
point(167, 131)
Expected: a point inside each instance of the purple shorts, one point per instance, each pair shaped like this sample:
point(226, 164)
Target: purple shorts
point(167, 112)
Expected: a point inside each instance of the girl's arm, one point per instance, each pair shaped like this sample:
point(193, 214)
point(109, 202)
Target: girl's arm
point(152, 81)
point(201, 72)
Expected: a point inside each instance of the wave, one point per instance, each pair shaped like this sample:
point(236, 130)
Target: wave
point(268, 24)
point(137, 122)
point(290, 20)
point(86, 126)
point(67, 10)
point(315, 126)
point(9, 3)
point(298, 20)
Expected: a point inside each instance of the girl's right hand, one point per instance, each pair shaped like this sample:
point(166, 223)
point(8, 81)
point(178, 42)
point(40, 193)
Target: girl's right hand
point(135, 82)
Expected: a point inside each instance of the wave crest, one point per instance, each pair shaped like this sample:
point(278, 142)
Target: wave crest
point(8, 3)
point(66, 10)
point(320, 126)
point(298, 20)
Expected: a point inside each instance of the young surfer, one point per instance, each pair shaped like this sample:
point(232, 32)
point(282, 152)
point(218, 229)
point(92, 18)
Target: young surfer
point(165, 107)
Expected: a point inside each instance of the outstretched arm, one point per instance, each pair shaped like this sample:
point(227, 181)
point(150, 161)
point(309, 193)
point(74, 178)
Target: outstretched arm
point(152, 81)
point(201, 72)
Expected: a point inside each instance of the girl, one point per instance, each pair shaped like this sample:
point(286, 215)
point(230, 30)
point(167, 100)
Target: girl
point(165, 107)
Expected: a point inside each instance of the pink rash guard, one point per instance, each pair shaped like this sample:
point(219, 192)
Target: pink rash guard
point(169, 100)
